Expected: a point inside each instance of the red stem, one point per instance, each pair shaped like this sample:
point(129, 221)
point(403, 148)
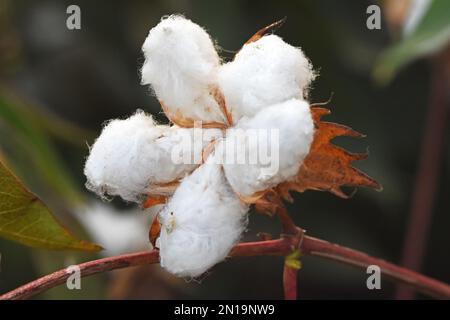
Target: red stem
point(290, 282)
point(426, 183)
point(414, 280)
point(287, 223)
point(88, 268)
point(281, 247)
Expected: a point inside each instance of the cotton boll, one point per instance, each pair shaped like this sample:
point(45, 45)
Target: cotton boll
point(263, 73)
point(274, 143)
point(181, 66)
point(201, 222)
point(181, 148)
point(132, 154)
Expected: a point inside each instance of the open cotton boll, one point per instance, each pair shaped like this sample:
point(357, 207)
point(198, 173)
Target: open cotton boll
point(181, 66)
point(200, 223)
point(263, 73)
point(132, 154)
point(269, 148)
point(125, 158)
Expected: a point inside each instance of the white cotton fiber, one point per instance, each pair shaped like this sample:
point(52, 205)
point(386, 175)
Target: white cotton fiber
point(181, 66)
point(201, 222)
point(132, 154)
point(263, 73)
point(275, 159)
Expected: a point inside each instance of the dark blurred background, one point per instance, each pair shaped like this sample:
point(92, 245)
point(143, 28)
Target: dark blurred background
point(57, 87)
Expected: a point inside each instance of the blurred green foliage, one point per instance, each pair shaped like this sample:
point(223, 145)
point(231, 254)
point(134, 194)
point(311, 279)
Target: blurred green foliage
point(25, 143)
point(431, 35)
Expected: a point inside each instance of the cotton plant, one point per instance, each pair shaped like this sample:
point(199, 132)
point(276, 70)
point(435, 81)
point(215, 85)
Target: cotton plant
point(205, 202)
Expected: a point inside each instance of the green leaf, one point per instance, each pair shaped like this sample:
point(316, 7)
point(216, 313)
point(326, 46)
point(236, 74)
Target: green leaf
point(29, 149)
point(24, 218)
point(431, 35)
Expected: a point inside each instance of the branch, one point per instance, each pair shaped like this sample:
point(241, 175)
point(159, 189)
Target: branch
point(414, 280)
point(291, 261)
point(88, 268)
point(287, 223)
point(290, 282)
point(279, 247)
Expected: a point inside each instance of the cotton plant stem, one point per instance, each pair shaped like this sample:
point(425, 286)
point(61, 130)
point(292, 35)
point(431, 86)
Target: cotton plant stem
point(290, 282)
point(289, 273)
point(418, 282)
point(88, 268)
point(427, 179)
point(287, 223)
point(279, 247)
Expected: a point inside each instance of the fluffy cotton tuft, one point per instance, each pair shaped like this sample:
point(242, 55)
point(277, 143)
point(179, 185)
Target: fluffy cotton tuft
point(181, 66)
point(201, 223)
point(295, 128)
point(263, 73)
point(134, 153)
